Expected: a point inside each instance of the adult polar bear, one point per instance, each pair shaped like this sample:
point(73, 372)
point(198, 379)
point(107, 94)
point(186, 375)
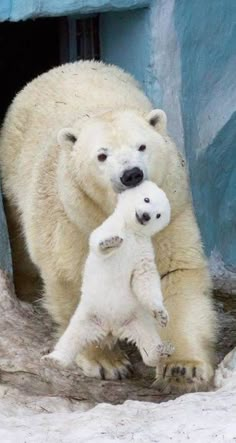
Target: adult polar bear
point(63, 187)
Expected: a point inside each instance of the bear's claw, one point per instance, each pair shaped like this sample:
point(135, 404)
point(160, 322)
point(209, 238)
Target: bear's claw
point(179, 376)
point(105, 364)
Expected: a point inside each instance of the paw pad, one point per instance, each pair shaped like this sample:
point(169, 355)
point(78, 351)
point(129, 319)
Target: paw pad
point(162, 317)
point(111, 242)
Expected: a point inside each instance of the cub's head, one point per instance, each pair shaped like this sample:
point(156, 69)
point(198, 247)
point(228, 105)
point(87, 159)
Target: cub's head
point(146, 208)
point(117, 150)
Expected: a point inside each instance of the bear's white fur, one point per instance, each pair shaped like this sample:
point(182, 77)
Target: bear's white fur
point(60, 192)
point(121, 290)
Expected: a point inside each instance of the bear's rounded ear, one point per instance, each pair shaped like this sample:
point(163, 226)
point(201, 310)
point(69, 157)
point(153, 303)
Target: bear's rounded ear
point(157, 118)
point(66, 138)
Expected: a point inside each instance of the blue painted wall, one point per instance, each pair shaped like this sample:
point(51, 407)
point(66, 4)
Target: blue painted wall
point(213, 175)
point(22, 9)
point(125, 41)
point(206, 33)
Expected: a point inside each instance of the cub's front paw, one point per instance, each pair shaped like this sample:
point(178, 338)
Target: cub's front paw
point(56, 359)
point(161, 315)
point(110, 243)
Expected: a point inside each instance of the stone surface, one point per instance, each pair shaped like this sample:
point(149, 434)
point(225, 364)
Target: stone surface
point(225, 375)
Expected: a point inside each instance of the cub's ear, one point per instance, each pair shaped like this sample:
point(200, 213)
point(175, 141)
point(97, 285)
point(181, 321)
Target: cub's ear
point(66, 138)
point(157, 118)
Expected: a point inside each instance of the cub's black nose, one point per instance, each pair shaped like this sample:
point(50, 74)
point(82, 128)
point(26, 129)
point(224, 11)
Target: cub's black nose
point(146, 217)
point(132, 177)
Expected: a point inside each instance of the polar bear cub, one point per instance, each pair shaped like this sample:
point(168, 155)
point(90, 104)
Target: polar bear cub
point(121, 291)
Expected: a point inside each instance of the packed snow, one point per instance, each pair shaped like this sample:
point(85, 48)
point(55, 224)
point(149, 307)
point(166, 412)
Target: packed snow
point(199, 417)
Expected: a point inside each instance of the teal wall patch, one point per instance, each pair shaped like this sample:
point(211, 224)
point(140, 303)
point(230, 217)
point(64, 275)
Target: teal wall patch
point(15, 10)
point(207, 38)
point(5, 251)
point(125, 42)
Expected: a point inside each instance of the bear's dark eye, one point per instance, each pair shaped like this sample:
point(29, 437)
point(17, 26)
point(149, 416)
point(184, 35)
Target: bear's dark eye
point(147, 200)
point(102, 157)
point(158, 215)
point(142, 148)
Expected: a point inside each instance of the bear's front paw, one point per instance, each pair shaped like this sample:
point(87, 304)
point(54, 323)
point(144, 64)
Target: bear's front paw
point(161, 315)
point(179, 376)
point(110, 243)
point(104, 363)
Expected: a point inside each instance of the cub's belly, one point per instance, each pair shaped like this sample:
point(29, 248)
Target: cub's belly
point(107, 286)
point(110, 299)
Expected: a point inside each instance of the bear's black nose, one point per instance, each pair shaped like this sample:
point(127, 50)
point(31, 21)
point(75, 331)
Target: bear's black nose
point(146, 217)
point(132, 177)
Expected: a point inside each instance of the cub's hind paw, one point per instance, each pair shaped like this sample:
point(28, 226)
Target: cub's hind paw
point(155, 353)
point(110, 243)
point(161, 316)
point(165, 349)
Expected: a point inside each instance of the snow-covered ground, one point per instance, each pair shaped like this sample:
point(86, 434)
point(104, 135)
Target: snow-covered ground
point(201, 417)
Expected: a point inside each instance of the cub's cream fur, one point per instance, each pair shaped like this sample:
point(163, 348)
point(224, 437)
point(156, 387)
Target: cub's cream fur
point(59, 191)
point(121, 290)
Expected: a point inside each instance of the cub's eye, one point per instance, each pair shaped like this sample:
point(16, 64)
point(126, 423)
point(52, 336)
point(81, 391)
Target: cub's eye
point(158, 215)
point(142, 148)
point(147, 200)
point(102, 157)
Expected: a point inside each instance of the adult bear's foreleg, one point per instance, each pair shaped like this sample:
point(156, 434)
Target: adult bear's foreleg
point(192, 331)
